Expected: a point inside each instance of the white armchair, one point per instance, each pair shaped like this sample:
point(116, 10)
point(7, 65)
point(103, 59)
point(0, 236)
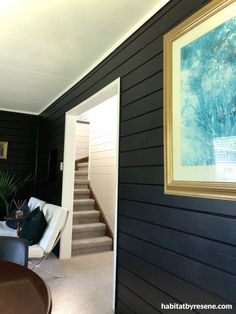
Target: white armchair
point(32, 204)
point(56, 217)
point(35, 202)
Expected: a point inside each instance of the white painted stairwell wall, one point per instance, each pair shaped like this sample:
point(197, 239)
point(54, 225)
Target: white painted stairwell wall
point(82, 140)
point(103, 154)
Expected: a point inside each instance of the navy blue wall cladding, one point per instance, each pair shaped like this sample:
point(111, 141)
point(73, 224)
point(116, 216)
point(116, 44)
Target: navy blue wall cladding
point(170, 248)
point(49, 188)
point(20, 131)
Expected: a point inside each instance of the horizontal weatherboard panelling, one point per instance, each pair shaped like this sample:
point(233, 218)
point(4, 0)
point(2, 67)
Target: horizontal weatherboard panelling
point(17, 118)
point(170, 246)
point(196, 223)
point(202, 275)
point(213, 253)
point(19, 169)
point(82, 140)
point(170, 283)
point(155, 195)
point(144, 105)
point(142, 175)
point(161, 278)
point(17, 124)
point(23, 140)
point(142, 89)
point(145, 70)
point(145, 122)
point(123, 308)
point(20, 160)
point(138, 304)
point(22, 134)
point(98, 169)
point(144, 157)
point(109, 155)
point(20, 131)
point(143, 289)
point(97, 139)
point(18, 151)
point(106, 146)
point(141, 140)
point(101, 162)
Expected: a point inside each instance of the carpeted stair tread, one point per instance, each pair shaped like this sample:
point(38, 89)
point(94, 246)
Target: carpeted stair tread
point(86, 213)
point(78, 182)
point(81, 191)
point(88, 227)
point(81, 172)
point(83, 165)
point(82, 202)
point(91, 242)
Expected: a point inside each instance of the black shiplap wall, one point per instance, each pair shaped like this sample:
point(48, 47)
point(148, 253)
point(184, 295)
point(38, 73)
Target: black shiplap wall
point(20, 131)
point(170, 249)
point(49, 189)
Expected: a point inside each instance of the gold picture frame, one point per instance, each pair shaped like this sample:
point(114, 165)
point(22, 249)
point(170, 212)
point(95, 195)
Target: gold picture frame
point(199, 141)
point(3, 150)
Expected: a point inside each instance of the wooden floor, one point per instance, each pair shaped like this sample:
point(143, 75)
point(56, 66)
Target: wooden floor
point(86, 287)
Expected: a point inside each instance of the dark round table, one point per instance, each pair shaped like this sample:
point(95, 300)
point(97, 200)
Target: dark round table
point(22, 291)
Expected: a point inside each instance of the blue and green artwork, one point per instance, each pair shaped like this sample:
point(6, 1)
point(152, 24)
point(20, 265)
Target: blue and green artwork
point(208, 96)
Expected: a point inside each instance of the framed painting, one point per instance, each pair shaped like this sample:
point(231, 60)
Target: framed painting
point(3, 150)
point(200, 104)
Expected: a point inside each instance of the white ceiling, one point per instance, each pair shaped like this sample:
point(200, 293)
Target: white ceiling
point(46, 46)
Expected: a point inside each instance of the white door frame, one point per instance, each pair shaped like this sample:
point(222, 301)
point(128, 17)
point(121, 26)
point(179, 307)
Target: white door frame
point(69, 164)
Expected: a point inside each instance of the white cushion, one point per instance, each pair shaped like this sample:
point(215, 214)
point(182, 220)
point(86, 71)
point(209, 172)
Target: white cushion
point(35, 202)
point(56, 218)
point(35, 251)
point(6, 231)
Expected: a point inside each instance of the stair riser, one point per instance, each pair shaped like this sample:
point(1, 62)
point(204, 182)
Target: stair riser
point(83, 165)
point(81, 177)
point(76, 251)
point(88, 234)
point(83, 169)
point(80, 186)
point(85, 220)
point(81, 196)
point(79, 208)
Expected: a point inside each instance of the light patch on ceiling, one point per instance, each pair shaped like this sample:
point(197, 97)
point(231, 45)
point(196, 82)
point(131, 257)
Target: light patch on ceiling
point(49, 45)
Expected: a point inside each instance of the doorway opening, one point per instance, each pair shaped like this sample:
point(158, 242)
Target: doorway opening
point(90, 107)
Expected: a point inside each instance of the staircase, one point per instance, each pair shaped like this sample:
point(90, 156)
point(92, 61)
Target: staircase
point(89, 233)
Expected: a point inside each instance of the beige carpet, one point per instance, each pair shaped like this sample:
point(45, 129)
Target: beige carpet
point(86, 287)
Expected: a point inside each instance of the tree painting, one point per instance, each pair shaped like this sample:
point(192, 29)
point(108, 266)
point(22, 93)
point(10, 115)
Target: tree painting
point(208, 91)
